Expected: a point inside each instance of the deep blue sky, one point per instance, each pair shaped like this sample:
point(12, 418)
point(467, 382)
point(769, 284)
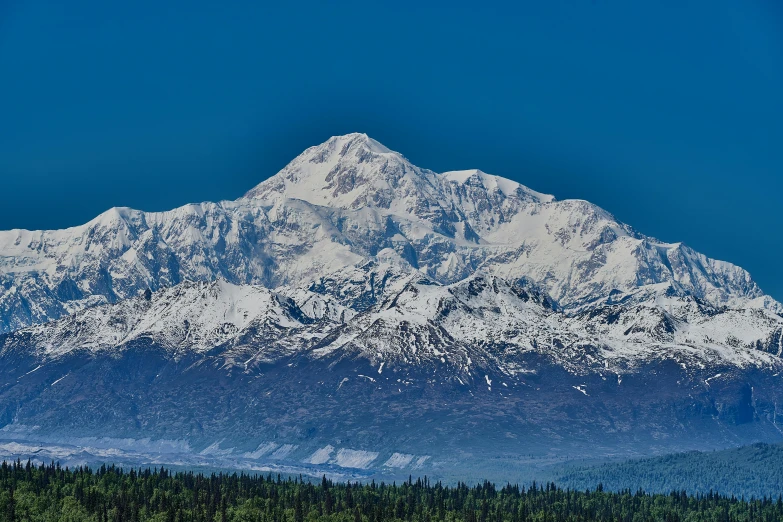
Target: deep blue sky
point(668, 115)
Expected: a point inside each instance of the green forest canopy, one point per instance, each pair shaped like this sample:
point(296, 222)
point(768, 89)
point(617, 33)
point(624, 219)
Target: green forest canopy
point(49, 492)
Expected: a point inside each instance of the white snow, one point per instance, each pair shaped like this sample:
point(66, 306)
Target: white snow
point(261, 450)
point(349, 458)
point(60, 379)
point(399, 460)
point(215, 450)
point(34, 369)
point(321, 456)
point(420, 461)
point(707, 380)
point(580, 388)
point(283, 451)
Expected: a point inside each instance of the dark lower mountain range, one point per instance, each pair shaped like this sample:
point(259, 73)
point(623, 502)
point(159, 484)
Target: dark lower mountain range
point(359, 316)
point(753, 471)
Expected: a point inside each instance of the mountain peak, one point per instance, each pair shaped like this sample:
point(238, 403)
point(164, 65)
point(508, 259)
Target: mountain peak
point(349, 171)
point(359, 139)
point(355, 171)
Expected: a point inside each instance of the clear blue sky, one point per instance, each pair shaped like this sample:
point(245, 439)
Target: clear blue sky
point(668, 114)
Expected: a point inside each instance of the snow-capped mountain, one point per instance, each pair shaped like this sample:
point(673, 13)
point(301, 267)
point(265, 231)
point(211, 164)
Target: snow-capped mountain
point(193, 317)
point(343, 204)
point(419, 322)
point(356, 312)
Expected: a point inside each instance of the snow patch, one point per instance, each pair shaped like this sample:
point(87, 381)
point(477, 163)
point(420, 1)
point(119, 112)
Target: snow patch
point(321, 456)
point(283, 451)
point(60, 379)
point(399, 460)
point(260, 451)
point(420, 461)
point(349, 458)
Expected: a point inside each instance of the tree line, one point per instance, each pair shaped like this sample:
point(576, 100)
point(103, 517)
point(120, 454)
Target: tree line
point(112, 494)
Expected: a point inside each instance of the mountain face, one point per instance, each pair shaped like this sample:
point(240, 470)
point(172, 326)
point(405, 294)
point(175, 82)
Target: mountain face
point(345, 203)
point(357, 314)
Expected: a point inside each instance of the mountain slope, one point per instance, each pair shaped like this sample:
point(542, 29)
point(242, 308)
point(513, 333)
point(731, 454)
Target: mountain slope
point(749, 471)
point(442, 376)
